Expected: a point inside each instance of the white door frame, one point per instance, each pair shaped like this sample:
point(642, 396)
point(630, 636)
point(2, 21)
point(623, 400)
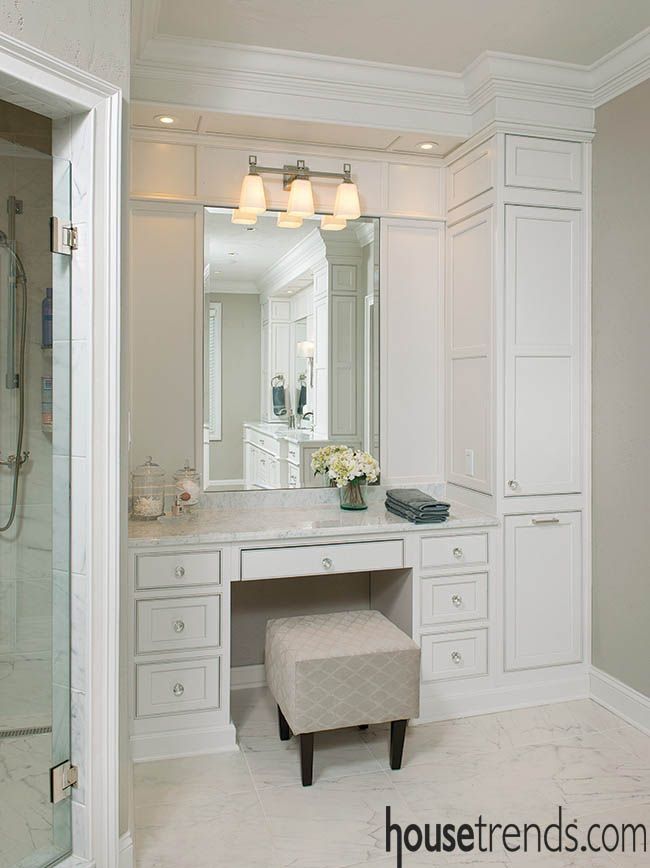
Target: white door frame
point(57, 89)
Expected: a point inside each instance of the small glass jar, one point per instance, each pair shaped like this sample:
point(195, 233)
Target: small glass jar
point(148, 491)
point(187, 483)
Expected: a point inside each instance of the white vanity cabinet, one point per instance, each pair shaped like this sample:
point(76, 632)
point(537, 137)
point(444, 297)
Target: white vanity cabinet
point(517, 295)
point(179, 637)
point(543, 590)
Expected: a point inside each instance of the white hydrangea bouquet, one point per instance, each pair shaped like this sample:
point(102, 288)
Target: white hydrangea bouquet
point(349, 469)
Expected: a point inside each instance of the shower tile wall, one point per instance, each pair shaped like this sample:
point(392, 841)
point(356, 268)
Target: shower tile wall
point(26, 550)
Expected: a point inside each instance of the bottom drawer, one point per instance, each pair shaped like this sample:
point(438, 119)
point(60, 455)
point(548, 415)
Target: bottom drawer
point(454, 655)
point(167, 688)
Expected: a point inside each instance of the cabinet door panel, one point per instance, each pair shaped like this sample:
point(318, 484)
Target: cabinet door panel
point(543, 590)
point(543, 360)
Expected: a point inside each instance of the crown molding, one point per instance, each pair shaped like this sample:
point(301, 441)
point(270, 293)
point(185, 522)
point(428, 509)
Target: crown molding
point(306, 255)
point(495, 88)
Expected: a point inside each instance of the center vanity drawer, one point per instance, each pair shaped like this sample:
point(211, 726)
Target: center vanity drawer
point(321, 559)
point(454, 655)
point(178, 624)
point(167, 688)
point(448, 551)
point(293, 452)
point(179, 569)
point(453, 598)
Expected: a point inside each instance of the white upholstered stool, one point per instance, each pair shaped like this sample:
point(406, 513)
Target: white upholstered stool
point(344, 669)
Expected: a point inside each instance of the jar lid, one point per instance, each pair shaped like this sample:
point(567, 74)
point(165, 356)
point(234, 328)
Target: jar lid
point(149, 468)
point(187, 470)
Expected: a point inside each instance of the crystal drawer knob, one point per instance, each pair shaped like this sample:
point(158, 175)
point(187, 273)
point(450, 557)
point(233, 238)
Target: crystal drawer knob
point(458, 552)
point(457, 600)
point(327, 563)
point(178, 689)
point(179, 626)
point(513, 485)
point(456, 657)
point(179, 572)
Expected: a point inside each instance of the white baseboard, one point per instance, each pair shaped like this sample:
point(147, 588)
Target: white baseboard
point(247, 676)
point(620, 699)
point(126, 852)
point(435, 705)
point(177, 744)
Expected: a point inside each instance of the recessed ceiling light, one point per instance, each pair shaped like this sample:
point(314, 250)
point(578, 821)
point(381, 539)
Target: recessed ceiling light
point(427, 146)
point(165, 119)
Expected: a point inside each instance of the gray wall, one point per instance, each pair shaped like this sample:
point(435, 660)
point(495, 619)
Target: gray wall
point(621, 391)
point(241, 338)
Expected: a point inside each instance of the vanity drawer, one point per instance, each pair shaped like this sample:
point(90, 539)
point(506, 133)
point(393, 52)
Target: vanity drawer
point(293, 476)
point(453, 598)
point(454, 551)
point(454, 655)
point(180, 569)
point(321, 559)
point(168, 688)
point(264, 441)
point(293, 453)
point(175, 624)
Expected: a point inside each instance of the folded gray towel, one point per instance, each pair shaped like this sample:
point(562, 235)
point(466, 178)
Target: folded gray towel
point(414, 518)
point(415, 500)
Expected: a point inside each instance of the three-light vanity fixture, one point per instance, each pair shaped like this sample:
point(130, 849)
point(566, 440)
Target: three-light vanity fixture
point(296, 179)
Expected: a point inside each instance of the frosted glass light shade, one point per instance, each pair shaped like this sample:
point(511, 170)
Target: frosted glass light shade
point(305, 349)
point(243, 218)
point(346, 204)
point(301, 198)
point(329, 223)
point(252, 198)
point(289, 221)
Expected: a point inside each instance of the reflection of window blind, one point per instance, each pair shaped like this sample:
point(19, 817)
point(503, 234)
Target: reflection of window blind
point(214, 370)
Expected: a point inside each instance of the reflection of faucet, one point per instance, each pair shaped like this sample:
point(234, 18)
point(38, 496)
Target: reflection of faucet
point(309, 416)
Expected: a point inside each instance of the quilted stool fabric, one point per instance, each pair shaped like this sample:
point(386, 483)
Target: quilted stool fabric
point(343, 669)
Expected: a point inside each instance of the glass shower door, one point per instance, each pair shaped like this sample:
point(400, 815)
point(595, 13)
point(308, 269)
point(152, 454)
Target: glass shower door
point(34, 508)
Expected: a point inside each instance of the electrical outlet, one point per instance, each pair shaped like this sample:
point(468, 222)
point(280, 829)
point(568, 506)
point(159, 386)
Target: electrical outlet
point(469, 462)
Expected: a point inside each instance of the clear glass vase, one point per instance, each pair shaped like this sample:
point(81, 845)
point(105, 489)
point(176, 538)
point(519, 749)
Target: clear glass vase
point(353, 495)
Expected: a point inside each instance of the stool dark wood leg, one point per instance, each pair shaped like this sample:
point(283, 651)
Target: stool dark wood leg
point(397, 734)
point(363, 726)
point(285, 732)
point(307, 758)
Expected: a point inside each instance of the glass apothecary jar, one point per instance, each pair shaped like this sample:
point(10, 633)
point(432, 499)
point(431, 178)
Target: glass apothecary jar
point(148, 491)
point(187, 482)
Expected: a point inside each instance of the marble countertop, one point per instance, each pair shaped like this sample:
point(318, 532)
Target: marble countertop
point(283, 432)
point(233, 525)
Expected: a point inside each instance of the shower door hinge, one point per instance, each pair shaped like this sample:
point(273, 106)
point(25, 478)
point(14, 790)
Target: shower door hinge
point(63, 238)
point(62, 778)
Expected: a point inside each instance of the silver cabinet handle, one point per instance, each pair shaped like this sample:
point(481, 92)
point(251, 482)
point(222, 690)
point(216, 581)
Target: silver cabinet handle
point(178, 689)
point(327, 563)
point(457, 600)
point(456, 657)
point(179, 626)
point(179, 572)
point(552, 519)
point(513, 485)
point(458, 552)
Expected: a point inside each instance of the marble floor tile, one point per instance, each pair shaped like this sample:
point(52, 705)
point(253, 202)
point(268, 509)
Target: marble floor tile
point(334, 824)
point(551, 723)
point(632, 739)
point(193, 780)
point(336, 754)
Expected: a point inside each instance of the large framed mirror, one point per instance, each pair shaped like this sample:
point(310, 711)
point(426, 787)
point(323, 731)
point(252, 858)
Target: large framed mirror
point(290, 348)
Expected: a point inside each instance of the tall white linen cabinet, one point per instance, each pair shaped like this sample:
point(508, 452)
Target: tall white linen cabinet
point(517, 393)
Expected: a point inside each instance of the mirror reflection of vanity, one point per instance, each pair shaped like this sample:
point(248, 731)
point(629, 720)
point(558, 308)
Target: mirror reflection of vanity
point(290, 348)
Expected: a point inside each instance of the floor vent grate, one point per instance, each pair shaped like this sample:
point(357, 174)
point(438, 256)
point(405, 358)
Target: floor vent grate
point(19, 733)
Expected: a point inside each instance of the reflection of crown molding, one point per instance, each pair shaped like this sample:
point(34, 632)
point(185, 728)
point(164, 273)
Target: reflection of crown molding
point(307, 254)
point(364, 231)
point(496, 87)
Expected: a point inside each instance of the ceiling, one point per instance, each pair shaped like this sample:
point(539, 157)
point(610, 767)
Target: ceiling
point(144, 116)
point(434, 34)
point(239, 257)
